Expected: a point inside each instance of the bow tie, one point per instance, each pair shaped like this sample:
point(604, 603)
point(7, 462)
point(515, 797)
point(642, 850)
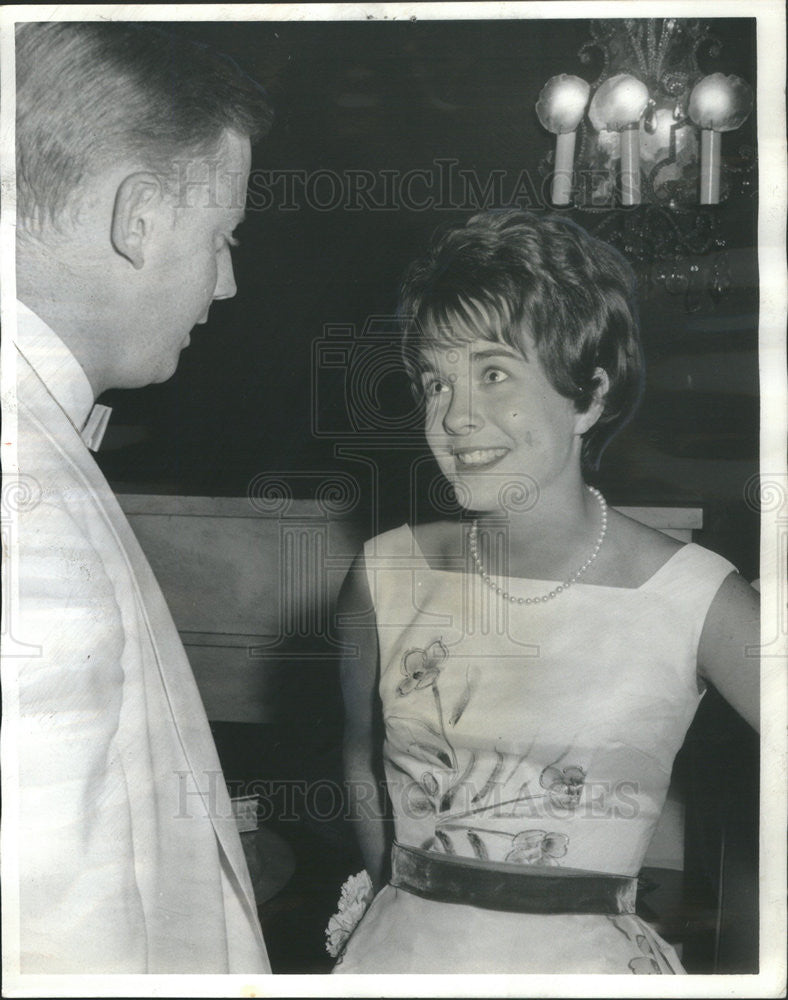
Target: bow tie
point(95, 426)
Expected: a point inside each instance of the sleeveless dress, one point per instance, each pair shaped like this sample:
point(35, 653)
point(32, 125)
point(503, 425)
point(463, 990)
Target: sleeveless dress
point(535, 735)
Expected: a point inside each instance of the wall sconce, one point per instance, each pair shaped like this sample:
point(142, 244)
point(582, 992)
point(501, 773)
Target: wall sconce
point(644, 118)
point(649, 133)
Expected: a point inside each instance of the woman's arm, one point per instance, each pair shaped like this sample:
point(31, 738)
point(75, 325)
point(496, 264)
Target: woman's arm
point(729, 650)
point(359, 671)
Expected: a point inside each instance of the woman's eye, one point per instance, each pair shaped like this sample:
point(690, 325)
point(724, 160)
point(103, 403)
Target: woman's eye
point(494, 375)
point(434, 387)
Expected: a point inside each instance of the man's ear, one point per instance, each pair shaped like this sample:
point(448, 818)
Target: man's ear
point(138, 200)
point(585, 421)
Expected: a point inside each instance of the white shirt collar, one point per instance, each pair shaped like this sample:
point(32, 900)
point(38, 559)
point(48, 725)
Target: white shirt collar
point(62, 374)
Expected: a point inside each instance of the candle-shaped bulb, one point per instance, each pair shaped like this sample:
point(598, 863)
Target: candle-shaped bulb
point(560, 108)
point(619, 103)
point(617, 106)
point(717, 104)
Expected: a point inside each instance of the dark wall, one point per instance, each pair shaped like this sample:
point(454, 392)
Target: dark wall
point(371, 97)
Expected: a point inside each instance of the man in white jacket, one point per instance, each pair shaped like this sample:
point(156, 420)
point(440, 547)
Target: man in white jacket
point(133, 154)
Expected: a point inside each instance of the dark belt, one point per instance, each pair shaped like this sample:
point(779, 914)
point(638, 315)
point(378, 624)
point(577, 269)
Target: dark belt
point(519, 889)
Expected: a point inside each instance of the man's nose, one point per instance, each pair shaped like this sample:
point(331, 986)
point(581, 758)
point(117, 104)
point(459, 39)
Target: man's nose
point(225, 278)
point(461, 416)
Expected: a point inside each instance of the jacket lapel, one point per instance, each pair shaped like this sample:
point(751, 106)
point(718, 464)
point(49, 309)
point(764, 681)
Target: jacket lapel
point(177, 678)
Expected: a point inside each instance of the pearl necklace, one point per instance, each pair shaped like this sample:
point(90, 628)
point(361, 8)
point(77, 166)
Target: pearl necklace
point(473, 544)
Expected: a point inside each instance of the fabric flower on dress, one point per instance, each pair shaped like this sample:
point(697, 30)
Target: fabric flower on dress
point(421, 667)
point(564, 787)
point(537, 847)
point(355, 896)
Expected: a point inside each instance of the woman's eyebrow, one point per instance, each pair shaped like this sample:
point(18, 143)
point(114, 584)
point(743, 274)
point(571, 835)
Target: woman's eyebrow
point(494, 352)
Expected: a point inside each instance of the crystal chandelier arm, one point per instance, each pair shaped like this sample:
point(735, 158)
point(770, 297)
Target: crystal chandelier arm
point(636, 46)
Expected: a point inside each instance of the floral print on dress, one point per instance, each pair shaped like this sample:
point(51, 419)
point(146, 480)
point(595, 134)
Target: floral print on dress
point(421, 667)
point(563, 787)
point(536, 847)
point(643, 966)
point(651, 961)
point(460, 826)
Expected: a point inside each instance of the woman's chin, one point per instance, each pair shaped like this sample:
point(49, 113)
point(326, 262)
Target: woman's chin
point(476, 500)
point(488, 493)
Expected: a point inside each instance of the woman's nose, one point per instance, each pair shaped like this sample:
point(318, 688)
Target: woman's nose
point(461, 416)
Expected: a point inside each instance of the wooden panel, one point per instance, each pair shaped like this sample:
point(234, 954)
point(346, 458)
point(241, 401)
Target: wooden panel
point(678, 522)
point(250, 592)
point(670, 518)
point(666, 849)
point(237, 685)
point(218, 574)
point(234, 688)
point(228, 569)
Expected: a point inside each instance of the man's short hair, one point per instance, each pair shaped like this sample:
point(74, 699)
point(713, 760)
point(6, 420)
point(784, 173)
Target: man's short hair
point(91, 93)
point(507, 272)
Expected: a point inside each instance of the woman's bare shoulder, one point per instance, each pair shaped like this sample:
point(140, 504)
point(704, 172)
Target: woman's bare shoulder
point(635, 550)
point(441, 543)
point(632, 532)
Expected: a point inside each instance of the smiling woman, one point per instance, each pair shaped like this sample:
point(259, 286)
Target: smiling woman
point(546, 291)
point(536, 664)
point(488, 408)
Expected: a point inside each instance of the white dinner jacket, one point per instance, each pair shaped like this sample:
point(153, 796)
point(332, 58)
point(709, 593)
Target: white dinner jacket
point(129, 857)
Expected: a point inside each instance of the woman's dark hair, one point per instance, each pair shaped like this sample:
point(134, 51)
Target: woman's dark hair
point(507, 273)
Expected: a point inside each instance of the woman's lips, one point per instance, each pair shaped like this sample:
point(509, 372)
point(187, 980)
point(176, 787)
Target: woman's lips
point(474, 460)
